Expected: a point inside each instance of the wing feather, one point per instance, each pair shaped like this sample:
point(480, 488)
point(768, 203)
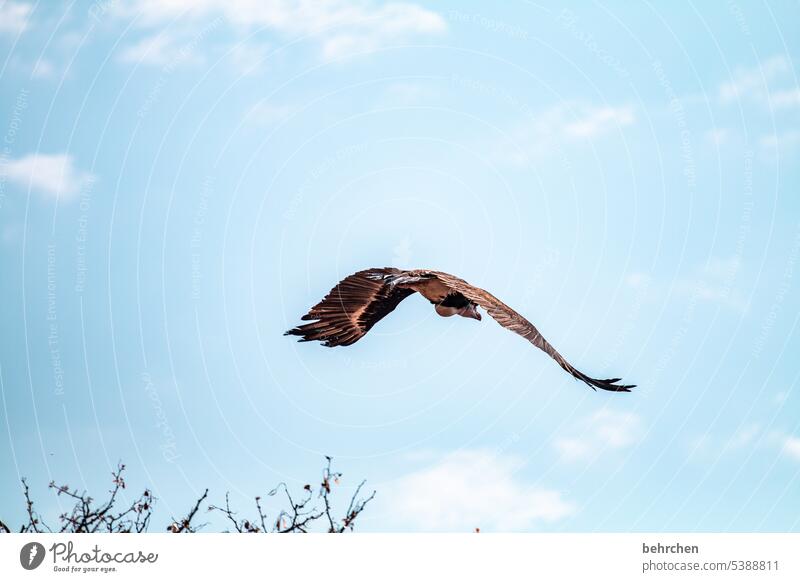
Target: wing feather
point(510, 319)
point(351, 308)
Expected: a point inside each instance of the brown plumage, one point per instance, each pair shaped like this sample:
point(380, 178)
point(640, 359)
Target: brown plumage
point(359, 301)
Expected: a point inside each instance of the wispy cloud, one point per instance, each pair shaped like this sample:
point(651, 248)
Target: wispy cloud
point(339, 27)
point(43, 69)
point(596, 121)
point(159, 50)
point(699, 445)
point(249, 57)
point(788, 98)
point(264, 113)
point(755, 434)
point(743, 437)
point(718, 136)
point(11, 234)
point(758, 84)
point(714, 282)
point(791, 447)
point(472, 488)
point(779, 142)
point(368, 28)
point(409, 93)
point(747, 437)
point(54, 175)
point(14, 16)
point(563, 124)
point(638, 280)
point(602, 431)
point(403, 253)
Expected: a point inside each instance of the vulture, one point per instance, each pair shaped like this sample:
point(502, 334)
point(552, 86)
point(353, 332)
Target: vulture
point(361, 300)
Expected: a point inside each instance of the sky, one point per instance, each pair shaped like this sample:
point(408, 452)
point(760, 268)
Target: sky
point(180, 181)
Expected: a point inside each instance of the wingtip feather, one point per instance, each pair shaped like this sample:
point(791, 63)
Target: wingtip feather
point(609, 385)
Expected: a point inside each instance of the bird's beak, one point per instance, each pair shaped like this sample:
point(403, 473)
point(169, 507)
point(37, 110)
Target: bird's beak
point(471, 312)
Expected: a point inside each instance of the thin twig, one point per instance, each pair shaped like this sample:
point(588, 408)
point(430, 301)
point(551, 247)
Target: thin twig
point(185, 524)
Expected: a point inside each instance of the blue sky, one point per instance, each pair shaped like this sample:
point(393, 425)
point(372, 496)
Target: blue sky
point(180, 181)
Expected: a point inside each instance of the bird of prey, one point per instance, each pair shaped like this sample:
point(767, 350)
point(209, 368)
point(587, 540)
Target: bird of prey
point(361, 300)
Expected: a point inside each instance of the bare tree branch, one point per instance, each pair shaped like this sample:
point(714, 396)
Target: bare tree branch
point(301, 515)
point(34, 521)
point(185, 525)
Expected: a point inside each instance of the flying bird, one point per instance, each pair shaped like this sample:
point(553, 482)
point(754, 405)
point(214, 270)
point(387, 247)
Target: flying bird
point(361, 300)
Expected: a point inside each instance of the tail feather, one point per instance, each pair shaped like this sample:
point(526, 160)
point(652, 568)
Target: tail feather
point(609, 384)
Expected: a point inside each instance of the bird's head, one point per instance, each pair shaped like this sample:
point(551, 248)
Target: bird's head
point(470, 311)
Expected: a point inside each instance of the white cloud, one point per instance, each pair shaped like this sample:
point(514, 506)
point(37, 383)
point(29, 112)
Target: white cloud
point(162, 50)
point(787, 443)
point(752, 82)
point(263, 113)
point(249, 57)
point(43, 69)
point(371, 30)
point(14, 16)
point(788, 98)
point(749, 436)
point(468, 489)
point(340, 27)
point(743, 437)
point(714, 282)
point(51, 174)
point(785, 140)
point(599, 120)
point(403, 253)
point(699, 445)
point(563, 124)
point(638, 280)
point(791, 447)
point(718, 136)
point(409, 93)
point(758, 84)
point(11, 234)
point(602, 431)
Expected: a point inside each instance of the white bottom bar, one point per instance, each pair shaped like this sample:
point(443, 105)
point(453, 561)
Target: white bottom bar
point(408, 557)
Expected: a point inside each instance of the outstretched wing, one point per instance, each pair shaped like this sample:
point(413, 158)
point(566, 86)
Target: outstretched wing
point(512, 320)
point(351, 308)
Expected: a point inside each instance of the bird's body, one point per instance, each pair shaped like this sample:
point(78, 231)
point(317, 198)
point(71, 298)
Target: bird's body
point(446, 301)
point(359, 301)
